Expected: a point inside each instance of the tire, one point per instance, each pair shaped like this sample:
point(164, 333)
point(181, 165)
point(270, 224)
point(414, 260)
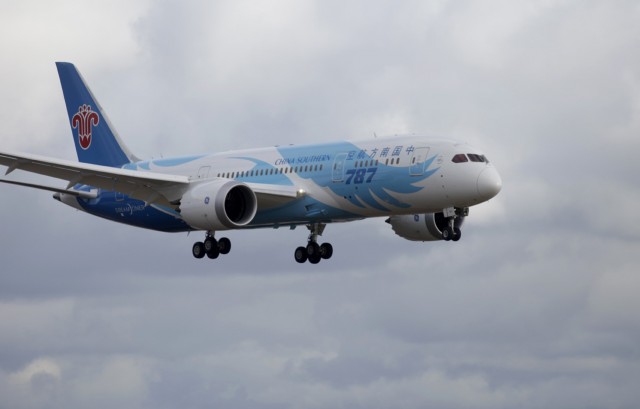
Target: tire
point(301, 255)
point(313, 249)
point(447, 234)
point(224, 245)
point(213, 253)
point(457, 234)
point(326, 250)
point(198, 250)
point(315, 259)
point(209, 244)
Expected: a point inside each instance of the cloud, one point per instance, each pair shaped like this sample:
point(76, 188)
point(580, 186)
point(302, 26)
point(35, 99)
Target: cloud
point(533, 308)
point(42, 367)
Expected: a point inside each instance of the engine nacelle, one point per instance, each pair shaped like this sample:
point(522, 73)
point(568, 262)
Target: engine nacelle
point(421, 227)
point(218, 205)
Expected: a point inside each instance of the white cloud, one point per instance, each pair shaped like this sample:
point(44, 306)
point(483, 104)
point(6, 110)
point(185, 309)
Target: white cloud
point(613, 302)
point(41, 366)
point(116, 380)
point(33, 35)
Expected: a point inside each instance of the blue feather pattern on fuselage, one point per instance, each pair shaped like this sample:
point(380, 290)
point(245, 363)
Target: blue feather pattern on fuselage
point(276, 178)
point(378, 194)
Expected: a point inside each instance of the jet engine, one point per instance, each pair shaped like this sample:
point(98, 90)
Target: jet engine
point(422, 227)
point(218, 205)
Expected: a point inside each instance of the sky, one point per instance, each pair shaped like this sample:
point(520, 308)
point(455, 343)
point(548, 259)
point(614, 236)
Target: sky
point(535, 307)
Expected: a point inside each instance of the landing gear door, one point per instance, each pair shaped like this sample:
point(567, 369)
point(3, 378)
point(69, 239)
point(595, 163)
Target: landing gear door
point(338, 167)
point(418, 161)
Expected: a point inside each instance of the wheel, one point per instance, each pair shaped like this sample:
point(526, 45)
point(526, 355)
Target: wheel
point(224, 245)
point(447, 234)
point(198, 250)
point(315, 259)
point(326, 250)
point(313, 249)
point(457, 233)
point(209, 244)
point(300, 254)
point(213, 253)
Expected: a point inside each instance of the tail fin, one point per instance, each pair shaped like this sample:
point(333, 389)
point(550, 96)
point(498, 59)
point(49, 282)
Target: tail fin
point(95, 139)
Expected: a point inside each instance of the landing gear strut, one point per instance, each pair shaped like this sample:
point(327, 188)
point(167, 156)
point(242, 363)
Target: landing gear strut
point(314, 252)
point(211, 247)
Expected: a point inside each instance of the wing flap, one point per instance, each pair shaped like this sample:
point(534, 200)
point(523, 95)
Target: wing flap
point(78, 193)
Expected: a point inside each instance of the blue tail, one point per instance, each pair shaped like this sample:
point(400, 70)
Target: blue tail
point(95, 139)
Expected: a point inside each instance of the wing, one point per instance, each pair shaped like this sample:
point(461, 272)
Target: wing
point(162, 189)
point(150, 187)
point(78, 193)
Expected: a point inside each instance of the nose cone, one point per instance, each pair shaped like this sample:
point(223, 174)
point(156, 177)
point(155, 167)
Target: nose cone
point(489, 183)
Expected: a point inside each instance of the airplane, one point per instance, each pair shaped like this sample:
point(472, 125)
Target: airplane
point(423, 186)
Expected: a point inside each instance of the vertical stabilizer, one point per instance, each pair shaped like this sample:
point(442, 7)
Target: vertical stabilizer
point(95, 139)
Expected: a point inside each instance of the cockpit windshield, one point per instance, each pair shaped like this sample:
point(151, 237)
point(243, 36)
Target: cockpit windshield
point(460, 158)
point(473, 157)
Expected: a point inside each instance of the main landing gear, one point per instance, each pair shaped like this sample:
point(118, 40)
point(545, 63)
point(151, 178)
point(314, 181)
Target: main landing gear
point(314, 252)
point(211, 247)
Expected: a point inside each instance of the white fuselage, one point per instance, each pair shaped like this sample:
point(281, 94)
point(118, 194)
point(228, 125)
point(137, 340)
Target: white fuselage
point(328, 182)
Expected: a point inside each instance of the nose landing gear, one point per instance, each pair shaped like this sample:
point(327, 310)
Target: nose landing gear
point(451, 231)
point(313, 252)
